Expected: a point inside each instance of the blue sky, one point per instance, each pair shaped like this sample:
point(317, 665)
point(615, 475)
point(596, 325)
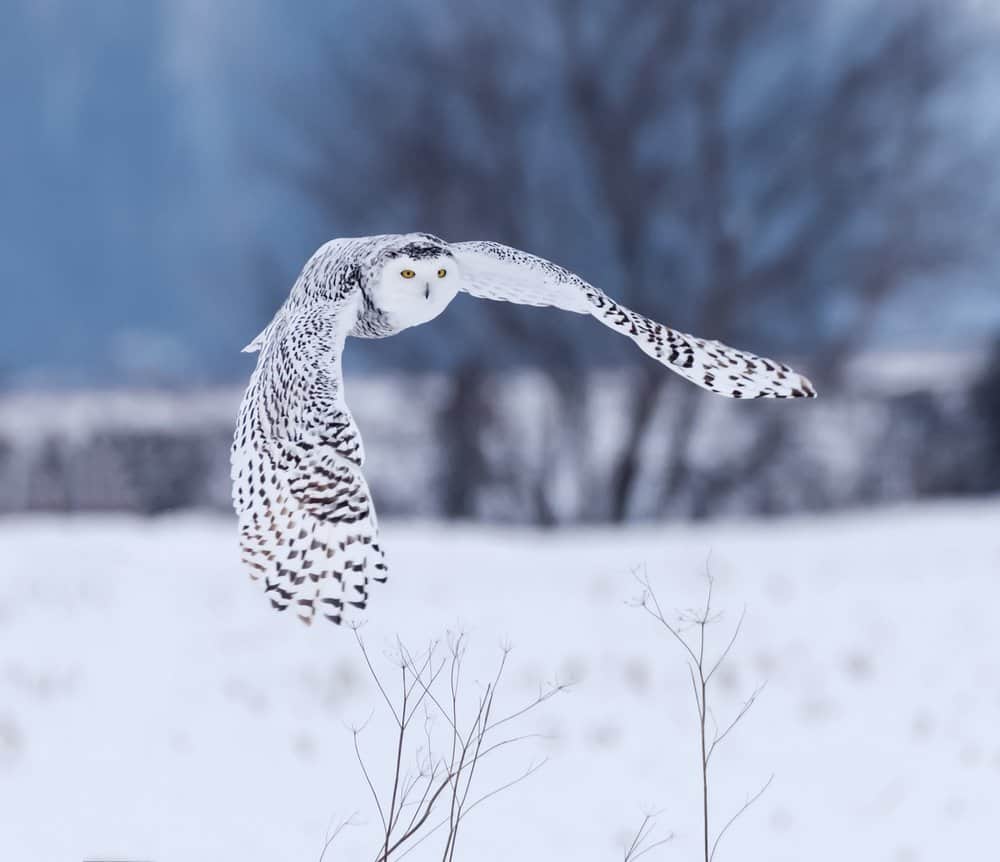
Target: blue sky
point(142, 236)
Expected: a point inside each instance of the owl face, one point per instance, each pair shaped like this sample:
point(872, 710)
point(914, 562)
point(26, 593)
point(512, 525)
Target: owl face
point(416, 285)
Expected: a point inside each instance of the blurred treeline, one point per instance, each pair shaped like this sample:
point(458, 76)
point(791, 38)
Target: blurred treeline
point(514, 453)
point(813, 180)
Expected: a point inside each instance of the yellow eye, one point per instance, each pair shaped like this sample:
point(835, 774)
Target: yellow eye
point(407, 273)
point(442, 273)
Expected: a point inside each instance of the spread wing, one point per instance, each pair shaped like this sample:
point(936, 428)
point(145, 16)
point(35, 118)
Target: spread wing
point(494, 271)
point(308, 530)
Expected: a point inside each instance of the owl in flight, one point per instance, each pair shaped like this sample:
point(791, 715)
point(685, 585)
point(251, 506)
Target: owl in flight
point(308, 529)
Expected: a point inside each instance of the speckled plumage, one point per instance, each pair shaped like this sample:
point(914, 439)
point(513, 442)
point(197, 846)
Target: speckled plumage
point(308, 528)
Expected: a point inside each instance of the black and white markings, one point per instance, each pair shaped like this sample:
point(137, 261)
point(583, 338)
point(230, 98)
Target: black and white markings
point(308, 528)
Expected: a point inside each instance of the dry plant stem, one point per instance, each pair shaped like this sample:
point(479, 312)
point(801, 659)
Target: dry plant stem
point(441, 781)
point(332, 836)
point(701, 671)
point(639, 847)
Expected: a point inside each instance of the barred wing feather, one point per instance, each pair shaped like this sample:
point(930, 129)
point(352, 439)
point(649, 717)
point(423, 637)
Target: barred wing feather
point(494, 271)
point(308, 529)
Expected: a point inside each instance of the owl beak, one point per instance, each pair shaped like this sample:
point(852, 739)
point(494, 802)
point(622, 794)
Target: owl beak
point(427, 290)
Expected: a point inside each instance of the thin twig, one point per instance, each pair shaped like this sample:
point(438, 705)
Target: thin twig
point(729, 646)
point(374, 675)
point(638, 846)
point(743, 711)
point(364, 771)
point(332, 836)
point(750, 801)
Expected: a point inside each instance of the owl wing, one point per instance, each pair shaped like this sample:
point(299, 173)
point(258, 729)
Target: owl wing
point(308, 529)
point(494, 271)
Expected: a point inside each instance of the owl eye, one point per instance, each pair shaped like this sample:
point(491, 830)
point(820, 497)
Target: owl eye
point(407, 273)
point(442, 273)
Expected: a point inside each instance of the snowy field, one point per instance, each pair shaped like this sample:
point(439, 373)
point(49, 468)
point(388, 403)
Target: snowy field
point(153, 708)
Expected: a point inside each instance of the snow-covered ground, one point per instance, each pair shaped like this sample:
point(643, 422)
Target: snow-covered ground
point(152, 707)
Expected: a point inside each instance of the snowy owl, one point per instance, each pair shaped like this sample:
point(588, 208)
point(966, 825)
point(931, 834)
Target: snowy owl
point(308, 529)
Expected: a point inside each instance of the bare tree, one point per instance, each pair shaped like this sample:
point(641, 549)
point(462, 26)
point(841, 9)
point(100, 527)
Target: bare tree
point(652, 142)
point(702, 669)
point(858, 145)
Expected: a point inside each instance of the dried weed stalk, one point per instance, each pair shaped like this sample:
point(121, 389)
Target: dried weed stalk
point(702, 669)
point(429, 790)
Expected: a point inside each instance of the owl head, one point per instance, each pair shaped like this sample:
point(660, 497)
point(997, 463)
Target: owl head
point(418, 279)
